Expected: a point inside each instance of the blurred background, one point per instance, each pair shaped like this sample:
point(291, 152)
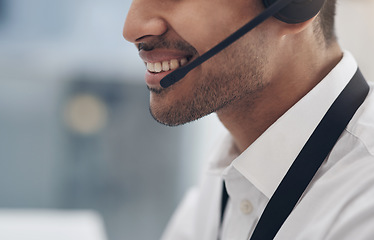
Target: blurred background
point(75, 132)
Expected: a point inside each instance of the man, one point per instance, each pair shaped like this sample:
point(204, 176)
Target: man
point(270, 89)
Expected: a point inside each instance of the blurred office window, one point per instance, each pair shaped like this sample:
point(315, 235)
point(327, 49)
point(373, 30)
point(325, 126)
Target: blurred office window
point(75, 130)
point(88, 144)
point(116, 159)
point(2, 12)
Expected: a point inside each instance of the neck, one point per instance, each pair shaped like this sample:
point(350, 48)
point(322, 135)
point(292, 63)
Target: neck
point(246, 119)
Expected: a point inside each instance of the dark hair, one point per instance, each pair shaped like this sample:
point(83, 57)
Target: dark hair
point(326, 21)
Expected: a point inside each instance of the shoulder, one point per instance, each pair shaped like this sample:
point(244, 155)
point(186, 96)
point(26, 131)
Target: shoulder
point(339, 204)
point(350, 165)
point(342, 194)
point(361, 127)
point(353, 154)
point(181, 223)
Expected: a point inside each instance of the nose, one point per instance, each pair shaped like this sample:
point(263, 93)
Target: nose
point(143, 20)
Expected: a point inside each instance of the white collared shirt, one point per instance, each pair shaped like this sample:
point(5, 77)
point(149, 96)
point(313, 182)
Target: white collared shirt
point(339, 202)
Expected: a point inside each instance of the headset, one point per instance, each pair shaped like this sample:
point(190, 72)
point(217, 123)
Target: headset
point(288, 11)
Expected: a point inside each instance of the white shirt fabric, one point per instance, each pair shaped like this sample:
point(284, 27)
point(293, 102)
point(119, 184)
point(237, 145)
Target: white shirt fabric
point(338, 203)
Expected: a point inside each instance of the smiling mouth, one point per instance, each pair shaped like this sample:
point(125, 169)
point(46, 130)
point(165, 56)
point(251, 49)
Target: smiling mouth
point(164, 66)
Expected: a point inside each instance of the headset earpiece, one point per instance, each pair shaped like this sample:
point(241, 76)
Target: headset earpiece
point(298, 10)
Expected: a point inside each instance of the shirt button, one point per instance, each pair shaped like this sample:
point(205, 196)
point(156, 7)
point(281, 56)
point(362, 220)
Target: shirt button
point(246, 207)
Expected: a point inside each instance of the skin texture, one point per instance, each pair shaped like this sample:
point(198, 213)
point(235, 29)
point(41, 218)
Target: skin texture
point(250, 84)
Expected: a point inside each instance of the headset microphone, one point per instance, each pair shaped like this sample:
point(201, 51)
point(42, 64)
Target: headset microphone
point(289, 11)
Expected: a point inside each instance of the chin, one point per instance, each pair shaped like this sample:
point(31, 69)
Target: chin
point(166, 118)
point(177, 114)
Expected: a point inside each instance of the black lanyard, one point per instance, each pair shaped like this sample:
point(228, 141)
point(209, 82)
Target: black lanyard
point(309, 159)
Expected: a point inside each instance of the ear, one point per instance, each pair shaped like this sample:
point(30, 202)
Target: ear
point(294, 28)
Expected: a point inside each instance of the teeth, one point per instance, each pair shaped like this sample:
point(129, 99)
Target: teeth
point(165, 66)
point(183, 61)
point(151, 67)
point(158, 67)
point(174, 64)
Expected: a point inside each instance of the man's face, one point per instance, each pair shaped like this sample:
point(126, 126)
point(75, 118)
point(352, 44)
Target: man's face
point(171, 33)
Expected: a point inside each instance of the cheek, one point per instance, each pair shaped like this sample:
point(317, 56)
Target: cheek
point(203, 24)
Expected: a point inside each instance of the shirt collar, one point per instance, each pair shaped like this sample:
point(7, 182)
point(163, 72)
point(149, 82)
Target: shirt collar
point(224, 154)
point(268, 159)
